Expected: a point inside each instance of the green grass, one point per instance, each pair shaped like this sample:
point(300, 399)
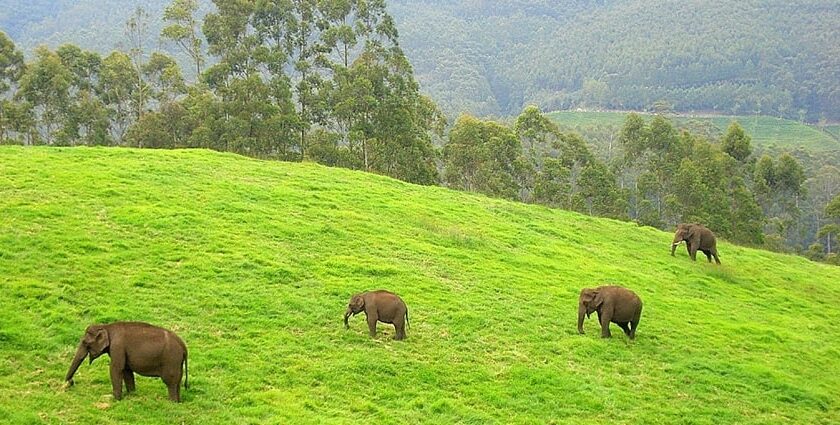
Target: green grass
point(252, 263)
point(765, 131)
point(834, 130)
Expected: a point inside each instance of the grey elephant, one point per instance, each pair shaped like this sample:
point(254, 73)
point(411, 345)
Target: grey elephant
point(612, 304)
point(135, 347)
point(382, 306)
point(697, 238)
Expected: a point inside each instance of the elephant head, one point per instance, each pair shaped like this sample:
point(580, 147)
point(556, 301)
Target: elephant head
point(356, 305)
point(590, 300)
point(685, 232)
point(95, 342)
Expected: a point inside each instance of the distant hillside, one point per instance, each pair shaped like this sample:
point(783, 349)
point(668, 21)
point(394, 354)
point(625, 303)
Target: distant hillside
point(252, 264)
point(772, 57)
point(764, 131)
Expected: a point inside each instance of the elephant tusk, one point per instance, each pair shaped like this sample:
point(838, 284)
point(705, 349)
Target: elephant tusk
point(677, 243)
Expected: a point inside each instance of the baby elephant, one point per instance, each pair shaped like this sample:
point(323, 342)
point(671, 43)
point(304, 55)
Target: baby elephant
point(135, 347)
point(383, 306)
point(613, 304)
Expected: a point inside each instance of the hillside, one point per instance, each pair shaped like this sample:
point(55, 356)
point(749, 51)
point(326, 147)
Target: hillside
point(491, 57)
point(253, 262)
point(764, 131)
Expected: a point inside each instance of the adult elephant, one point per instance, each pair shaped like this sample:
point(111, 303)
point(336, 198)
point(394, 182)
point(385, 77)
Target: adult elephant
point(134, 347)
point(697, 238)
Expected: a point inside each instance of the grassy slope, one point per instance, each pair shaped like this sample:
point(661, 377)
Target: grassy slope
point(765, 131)
point(834, 130)
point(252, 263)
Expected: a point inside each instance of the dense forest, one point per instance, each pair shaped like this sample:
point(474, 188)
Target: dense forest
point(495, 57)
point(328, 81)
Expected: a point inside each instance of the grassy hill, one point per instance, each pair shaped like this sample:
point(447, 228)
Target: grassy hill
point(252, 263)
point(765, 131)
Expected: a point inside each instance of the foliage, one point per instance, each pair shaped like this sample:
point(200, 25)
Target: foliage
point(183, 30)
point(681, 178)
point(483, 156)
point(11, 68)
point(765, 132)
point(742, 57)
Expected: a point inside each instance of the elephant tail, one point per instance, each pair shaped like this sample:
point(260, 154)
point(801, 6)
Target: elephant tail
point(186, 373)
point(406, 318)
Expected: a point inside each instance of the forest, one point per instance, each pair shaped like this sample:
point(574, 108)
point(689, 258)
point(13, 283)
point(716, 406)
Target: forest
point(773, 58)
point(329, 82)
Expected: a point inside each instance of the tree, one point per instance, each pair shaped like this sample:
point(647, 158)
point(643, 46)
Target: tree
point(338, 35)
point(827, 232)
point(254, 114)
point(117, 89)
point(536, 133)
point(599, 193)
point(300, 33)
point(86, 120)
point(833, 207)
point(483, 156)
point(538, 136)
point(183, 30)
point(658, 149)
point(164, 79)
point(11, 69)
point(137, 33)
point(46, 87)
point(832, 210)
point(11, 63)
point(736, 143)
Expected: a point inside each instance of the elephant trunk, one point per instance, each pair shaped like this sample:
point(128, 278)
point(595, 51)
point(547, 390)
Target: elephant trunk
point(675, 245)
point(77, 360)
point(581, 313)
point(347, 315)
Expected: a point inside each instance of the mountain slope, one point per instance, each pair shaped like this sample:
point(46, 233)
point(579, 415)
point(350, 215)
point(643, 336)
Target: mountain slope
point(764, 131)
point(493, 57)
point(252, 263)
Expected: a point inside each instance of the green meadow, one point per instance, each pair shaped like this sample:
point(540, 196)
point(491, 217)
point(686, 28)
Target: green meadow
point(765, 131)
point(252, 263)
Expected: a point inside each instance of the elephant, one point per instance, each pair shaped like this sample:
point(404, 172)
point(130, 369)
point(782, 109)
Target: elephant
point(697, 238)
point(613, 304)
point(382, 306)
point(134, 347)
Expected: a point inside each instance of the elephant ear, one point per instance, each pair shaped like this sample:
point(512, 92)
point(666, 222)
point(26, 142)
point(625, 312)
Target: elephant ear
point(101, 341)
point(597, 300)
point(693, 232)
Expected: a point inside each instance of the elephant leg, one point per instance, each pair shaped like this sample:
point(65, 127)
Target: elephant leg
point(714, 253)
point(128, 376)
point(371, 319)
point(708, 255)
point(399, 327)
point(625, 327)
point(173, 384)
point(692, 252)
point(117, 367)
point(605, 325)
